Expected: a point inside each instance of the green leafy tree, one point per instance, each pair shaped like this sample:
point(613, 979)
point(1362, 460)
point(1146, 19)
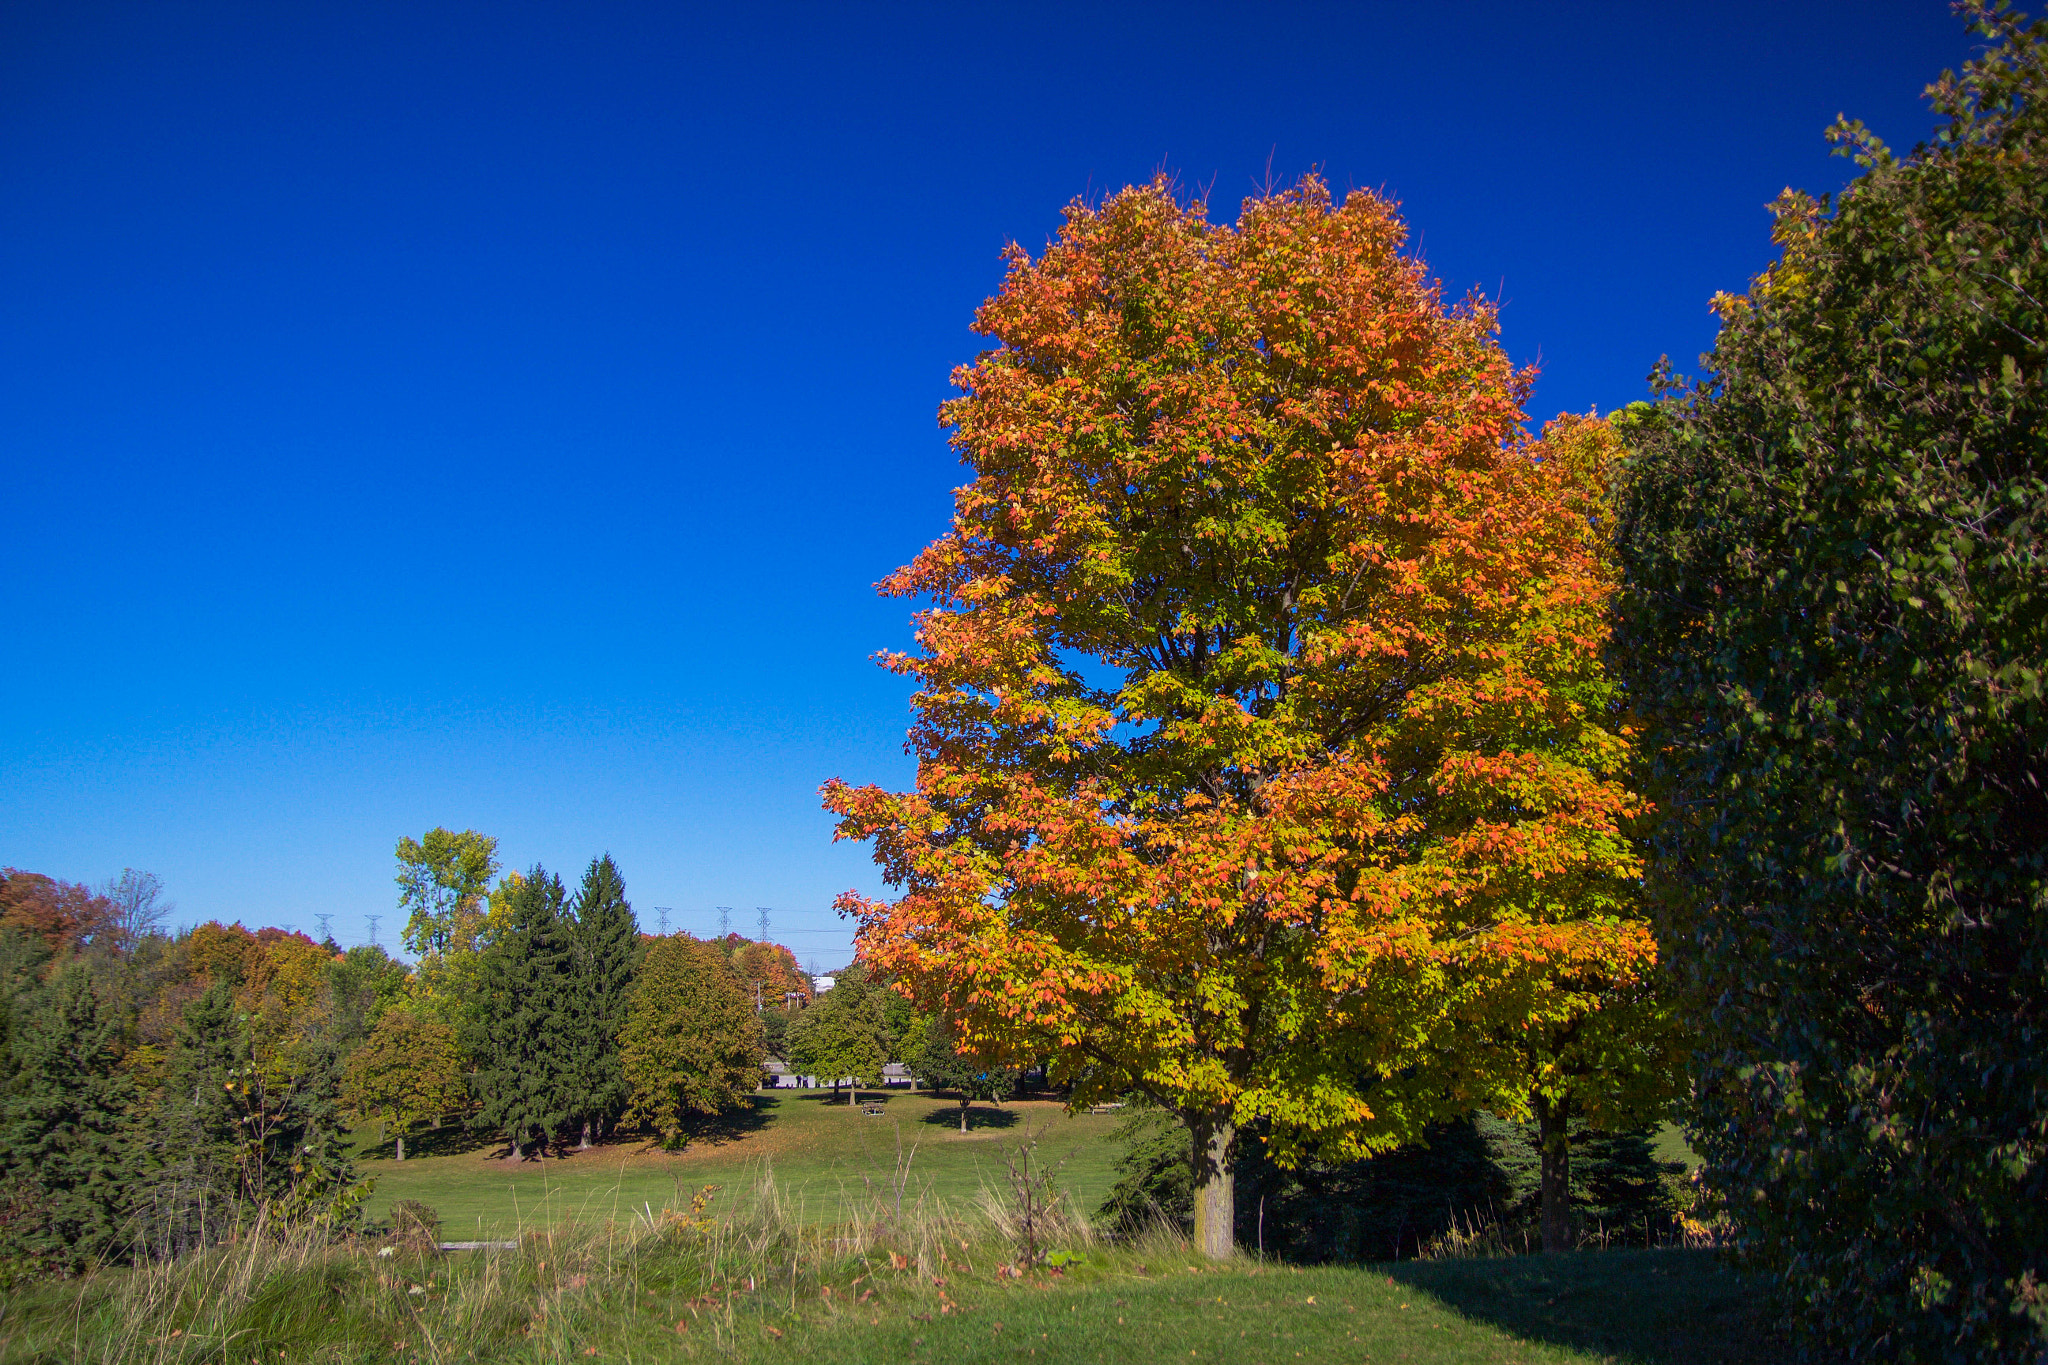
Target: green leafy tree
point(691, 1042)
point(841, 1036)
point(607, 943)
point(365, 982)
point(934, 1057)
point(1833, 618)
point(525, 1081)
point(407, 1073)
point(65, 1123)
point(440, 876)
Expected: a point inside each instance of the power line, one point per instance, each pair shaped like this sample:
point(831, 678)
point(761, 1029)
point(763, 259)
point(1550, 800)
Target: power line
point(373, 928)
point(326, 935)
point(763, 912)
point(724, 920)
point(661, 913)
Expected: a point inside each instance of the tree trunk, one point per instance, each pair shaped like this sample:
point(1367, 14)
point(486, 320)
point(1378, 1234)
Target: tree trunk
point(584, 1145)
point(1214, 1143)
point(401, 1146)
point(1556, 1178)
point(963, 1116)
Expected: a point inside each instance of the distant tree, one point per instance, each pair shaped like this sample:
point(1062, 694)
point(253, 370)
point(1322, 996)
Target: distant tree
point(63, 1123)
point(221, 952)
point(692, 1043)
point(840, 1036)
point(257, 1088)
point(409, 1072)
point(522, 1045)
point(769, 973)
point(775, 1030)
point(64, 915)
point(606, 946)
point(439, 876)
point(136, 907)
point(365, 982)
point(934, 1058)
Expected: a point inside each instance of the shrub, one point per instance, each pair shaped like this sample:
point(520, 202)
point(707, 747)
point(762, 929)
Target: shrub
point(1833, 617)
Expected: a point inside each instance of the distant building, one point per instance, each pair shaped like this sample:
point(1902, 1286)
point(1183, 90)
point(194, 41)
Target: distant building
point(823, 983)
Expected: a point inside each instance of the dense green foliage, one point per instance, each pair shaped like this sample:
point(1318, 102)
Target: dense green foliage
point(606, 944)
point(1480, 1172)
point(525, 1079)
point(62, 1125)
point(692, 1045)
point(841, 1038)
point(934, 1057)
point(1835, 615)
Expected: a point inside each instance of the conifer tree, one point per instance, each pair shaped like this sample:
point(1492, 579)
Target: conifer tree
point(606, 944)
point(523, 1040)
point(189, 1168)
point(65, 1120)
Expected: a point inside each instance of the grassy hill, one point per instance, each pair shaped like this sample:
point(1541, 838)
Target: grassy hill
point(802, 1254)
point(821, 1155)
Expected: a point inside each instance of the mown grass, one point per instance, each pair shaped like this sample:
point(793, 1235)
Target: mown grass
point(820, 1154)
point(765, 1282)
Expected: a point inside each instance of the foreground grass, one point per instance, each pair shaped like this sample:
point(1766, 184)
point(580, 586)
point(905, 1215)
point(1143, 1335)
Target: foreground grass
point(766, 1286)
point(821, 1154)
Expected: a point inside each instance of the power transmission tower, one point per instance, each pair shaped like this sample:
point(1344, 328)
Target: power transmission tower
point(326, 934)
point(724, 920)
point(661, 914)
point(373, 928)
point(762, 911)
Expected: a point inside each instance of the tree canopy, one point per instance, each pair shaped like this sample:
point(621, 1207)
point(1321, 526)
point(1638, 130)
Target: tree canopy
point(1833, 620)
point(1248, 731)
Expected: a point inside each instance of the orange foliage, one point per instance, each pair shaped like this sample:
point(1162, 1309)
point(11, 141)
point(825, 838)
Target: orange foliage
point(1265, 763)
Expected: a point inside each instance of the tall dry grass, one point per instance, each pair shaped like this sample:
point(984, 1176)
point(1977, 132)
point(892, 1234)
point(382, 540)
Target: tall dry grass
point(704, 1275)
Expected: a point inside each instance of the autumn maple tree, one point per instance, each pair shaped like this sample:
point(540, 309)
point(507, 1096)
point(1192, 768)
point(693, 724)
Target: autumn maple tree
point(1259, 769)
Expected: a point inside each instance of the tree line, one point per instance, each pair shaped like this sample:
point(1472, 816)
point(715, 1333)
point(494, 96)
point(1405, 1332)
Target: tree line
point(162, 1090)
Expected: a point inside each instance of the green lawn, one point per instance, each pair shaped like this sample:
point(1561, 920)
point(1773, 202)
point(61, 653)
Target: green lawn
point(1640, 1307)
point(820, 1154)
point(816, 1275)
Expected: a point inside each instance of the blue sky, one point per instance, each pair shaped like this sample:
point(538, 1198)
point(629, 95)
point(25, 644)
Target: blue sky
point(496, 416)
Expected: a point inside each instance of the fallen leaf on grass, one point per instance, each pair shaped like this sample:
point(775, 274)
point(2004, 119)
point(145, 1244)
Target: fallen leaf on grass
point(682, 1328)
point(1311, 1299)
point(775, 1332)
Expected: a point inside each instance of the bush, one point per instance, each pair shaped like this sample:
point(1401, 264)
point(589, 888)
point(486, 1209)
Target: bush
point(1833, 617)
point(1478, 1171)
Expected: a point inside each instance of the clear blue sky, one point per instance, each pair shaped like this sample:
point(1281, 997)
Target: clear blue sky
point(496, 415)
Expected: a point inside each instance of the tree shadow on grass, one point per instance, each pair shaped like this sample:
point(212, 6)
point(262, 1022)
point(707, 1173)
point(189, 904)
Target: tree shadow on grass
point(1660, 1306)
point(450, 1139)
point(978, 1116)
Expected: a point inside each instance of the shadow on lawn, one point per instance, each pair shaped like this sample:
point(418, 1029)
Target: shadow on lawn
point(978, 1116)
point(450, 1139)
point(1663, 1306)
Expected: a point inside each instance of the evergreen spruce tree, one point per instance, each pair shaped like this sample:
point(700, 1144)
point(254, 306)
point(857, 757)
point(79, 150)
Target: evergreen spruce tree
point(606, 946)
point(522, 1028)
point(189, 1167)
point(65, 1129)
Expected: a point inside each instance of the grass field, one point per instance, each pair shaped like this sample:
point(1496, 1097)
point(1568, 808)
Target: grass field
point(803, 1254)
point(820, 1154)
